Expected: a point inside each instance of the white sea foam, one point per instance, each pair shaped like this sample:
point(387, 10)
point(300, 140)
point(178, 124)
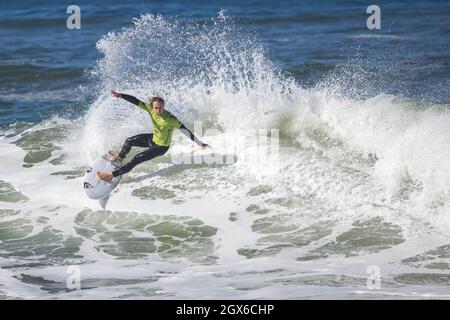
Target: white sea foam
point(343, 162)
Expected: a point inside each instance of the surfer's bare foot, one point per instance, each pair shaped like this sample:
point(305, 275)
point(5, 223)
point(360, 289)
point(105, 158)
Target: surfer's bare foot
point(107, 176)
point(114, 155)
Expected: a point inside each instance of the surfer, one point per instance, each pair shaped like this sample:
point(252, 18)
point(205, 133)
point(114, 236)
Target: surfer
point(157, 143)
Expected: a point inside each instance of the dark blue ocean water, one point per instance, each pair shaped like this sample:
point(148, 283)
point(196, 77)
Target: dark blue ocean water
point(44, 65)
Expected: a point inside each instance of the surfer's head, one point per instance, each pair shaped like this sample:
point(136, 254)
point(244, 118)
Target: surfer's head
point(157, 105)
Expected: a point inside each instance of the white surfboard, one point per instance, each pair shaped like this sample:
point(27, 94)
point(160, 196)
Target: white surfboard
point(96, 188)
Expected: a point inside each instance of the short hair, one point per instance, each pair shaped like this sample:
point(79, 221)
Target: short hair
point(157, 99)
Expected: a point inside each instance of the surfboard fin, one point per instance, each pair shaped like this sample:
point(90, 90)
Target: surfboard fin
point(103, 202)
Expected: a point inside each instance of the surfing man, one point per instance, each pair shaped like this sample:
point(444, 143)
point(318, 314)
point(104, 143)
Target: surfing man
point(157, 143)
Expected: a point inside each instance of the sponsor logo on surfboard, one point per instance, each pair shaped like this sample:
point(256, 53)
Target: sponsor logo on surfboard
point(87, 185)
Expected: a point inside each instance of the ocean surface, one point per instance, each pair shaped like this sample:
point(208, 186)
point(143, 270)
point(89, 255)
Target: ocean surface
point(328, 176)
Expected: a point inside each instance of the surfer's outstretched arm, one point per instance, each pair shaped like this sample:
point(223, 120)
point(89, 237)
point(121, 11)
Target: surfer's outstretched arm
point(188, 133)
point(129, 98)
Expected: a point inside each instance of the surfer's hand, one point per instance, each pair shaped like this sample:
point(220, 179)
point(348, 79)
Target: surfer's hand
point(204, 145)
point(116, 94)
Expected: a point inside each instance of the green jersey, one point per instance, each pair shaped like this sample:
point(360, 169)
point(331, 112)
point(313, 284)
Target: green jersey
point(163, 125)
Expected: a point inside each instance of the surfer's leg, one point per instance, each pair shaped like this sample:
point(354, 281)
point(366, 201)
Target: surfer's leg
point(139, 158)
point(140, 140)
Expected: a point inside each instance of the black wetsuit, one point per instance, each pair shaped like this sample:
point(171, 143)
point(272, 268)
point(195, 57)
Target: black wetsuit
point(145, 141)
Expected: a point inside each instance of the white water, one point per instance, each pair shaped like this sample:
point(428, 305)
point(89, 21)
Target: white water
point(342, 162)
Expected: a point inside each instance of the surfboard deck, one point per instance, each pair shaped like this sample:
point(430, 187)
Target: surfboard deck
point(96, 188)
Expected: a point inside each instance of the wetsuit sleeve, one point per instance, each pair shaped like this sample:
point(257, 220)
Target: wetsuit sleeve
point(134, 100)
point(188, 133)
